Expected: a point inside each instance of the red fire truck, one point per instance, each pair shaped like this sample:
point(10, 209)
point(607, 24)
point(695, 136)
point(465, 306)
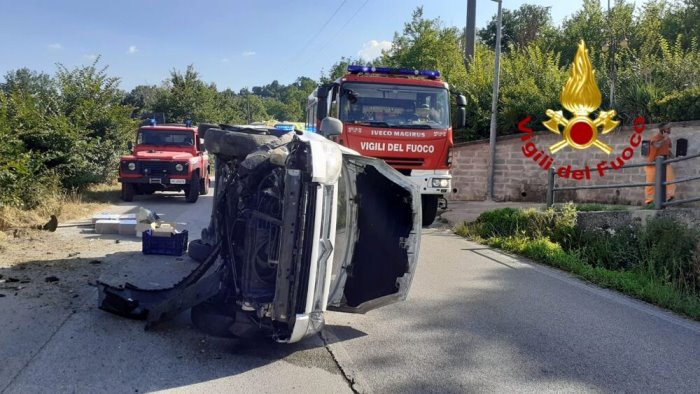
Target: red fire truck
point(399, 115)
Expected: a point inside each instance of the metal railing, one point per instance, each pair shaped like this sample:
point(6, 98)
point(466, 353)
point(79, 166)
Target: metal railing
point(659, 183)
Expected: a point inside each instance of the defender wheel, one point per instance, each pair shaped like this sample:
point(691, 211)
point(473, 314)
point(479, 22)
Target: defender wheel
point(127, 192)
point(429, 204)
point(204, 185)
point(192, 190)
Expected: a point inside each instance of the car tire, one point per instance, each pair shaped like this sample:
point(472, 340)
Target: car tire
point(128, 192)
point(202, 129)
point(233, 143)
point(429, 205)
point(198, 250)
point(192, 189)
point(204, 185)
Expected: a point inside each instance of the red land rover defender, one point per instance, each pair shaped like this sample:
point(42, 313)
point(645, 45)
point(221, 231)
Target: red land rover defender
point(166, 158)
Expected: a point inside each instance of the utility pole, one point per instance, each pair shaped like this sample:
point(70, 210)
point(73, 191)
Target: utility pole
point(470, 33)
point(494, 106)
point(612, 58)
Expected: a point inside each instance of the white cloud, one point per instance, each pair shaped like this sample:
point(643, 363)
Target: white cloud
point(132, 50)
point(248, 53)
point(373, 49)
point(55, 46)
point(90, 56)
point(225, 60)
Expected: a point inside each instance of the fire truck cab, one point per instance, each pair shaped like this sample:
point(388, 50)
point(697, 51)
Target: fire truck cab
point(399, 115)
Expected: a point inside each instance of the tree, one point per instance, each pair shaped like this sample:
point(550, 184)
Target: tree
point(681, 22)
point(425, 44)
point(85, 141)
point(142, 98)
point(338, 69)
point(519, 28)
point(186, 96)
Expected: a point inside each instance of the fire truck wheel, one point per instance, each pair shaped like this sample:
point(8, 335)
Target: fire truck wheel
point(233, 143)
point(204, 185)
point(127, 192)
point(192, 190)
point(202, 129)
point(429, 203)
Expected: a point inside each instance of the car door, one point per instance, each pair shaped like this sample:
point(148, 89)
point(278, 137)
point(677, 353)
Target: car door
point(377, 236)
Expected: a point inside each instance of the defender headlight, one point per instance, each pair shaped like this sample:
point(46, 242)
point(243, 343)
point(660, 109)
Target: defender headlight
point(131, 166)
point(179, 167)
point(437, 182)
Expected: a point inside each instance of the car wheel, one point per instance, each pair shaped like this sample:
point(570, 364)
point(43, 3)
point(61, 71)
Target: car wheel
point(429, 205)
point(204, 185)
point(198, 250)
point(233, 143)
point(127, 193)
point(202, 129)
point(192, 190)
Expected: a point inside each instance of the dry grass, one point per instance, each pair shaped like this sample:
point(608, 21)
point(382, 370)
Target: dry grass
point(67, 207)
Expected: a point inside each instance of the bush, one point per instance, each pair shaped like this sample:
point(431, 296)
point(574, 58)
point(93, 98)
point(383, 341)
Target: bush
point(667, 251)
point(613, 250)
point(679, 105)
point(559, 225)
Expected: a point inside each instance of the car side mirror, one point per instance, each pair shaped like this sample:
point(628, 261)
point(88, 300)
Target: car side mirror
point(462, 113)
point(461, 101)
point(201, 141)
point(130, 145)
point(331, 126)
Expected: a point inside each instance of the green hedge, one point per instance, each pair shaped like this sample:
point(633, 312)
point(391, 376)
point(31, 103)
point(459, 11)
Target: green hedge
point(678, 106)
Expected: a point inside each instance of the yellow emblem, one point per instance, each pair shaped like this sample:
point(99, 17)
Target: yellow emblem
point(581, 96)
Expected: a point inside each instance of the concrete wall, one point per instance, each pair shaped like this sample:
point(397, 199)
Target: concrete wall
point(518, 178)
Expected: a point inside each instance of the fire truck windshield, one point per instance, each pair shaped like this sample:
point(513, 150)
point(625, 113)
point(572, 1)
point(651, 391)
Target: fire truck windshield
point(165, 137)
point(400, 106)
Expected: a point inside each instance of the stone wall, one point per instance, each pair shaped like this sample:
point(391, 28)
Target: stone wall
point(518, 178)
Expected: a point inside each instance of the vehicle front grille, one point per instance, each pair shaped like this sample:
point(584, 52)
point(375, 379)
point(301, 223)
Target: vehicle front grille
point(155, 167)
point(404, 161)
point(304, 262)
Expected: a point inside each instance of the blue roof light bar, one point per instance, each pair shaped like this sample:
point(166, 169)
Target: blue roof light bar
point(354, 69)
point(284, 126)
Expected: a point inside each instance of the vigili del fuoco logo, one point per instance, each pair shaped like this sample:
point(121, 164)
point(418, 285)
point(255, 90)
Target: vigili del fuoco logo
point(581, 97)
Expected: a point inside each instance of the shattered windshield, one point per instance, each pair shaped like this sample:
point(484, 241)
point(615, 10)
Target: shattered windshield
point(385, 105)
point(165, 138)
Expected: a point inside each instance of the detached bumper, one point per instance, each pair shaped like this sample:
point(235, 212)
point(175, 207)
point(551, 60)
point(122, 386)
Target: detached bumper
point(154, 305)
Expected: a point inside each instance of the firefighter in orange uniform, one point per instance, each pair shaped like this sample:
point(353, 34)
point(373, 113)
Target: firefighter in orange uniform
point(659, 145)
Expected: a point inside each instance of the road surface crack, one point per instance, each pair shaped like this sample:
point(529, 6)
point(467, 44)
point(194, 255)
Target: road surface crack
point(349, 376)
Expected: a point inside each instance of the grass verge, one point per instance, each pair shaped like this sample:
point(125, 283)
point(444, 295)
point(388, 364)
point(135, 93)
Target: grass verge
point(67, 207)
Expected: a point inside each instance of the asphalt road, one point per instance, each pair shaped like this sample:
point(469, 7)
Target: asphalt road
point(476, 321)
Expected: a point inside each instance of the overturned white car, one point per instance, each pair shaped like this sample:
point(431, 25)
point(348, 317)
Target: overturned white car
point(299, 225)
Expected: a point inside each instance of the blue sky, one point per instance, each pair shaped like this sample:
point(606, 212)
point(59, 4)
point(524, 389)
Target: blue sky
point(231, 43)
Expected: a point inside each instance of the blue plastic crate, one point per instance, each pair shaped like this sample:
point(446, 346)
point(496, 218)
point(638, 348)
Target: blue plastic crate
point(174, 245)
